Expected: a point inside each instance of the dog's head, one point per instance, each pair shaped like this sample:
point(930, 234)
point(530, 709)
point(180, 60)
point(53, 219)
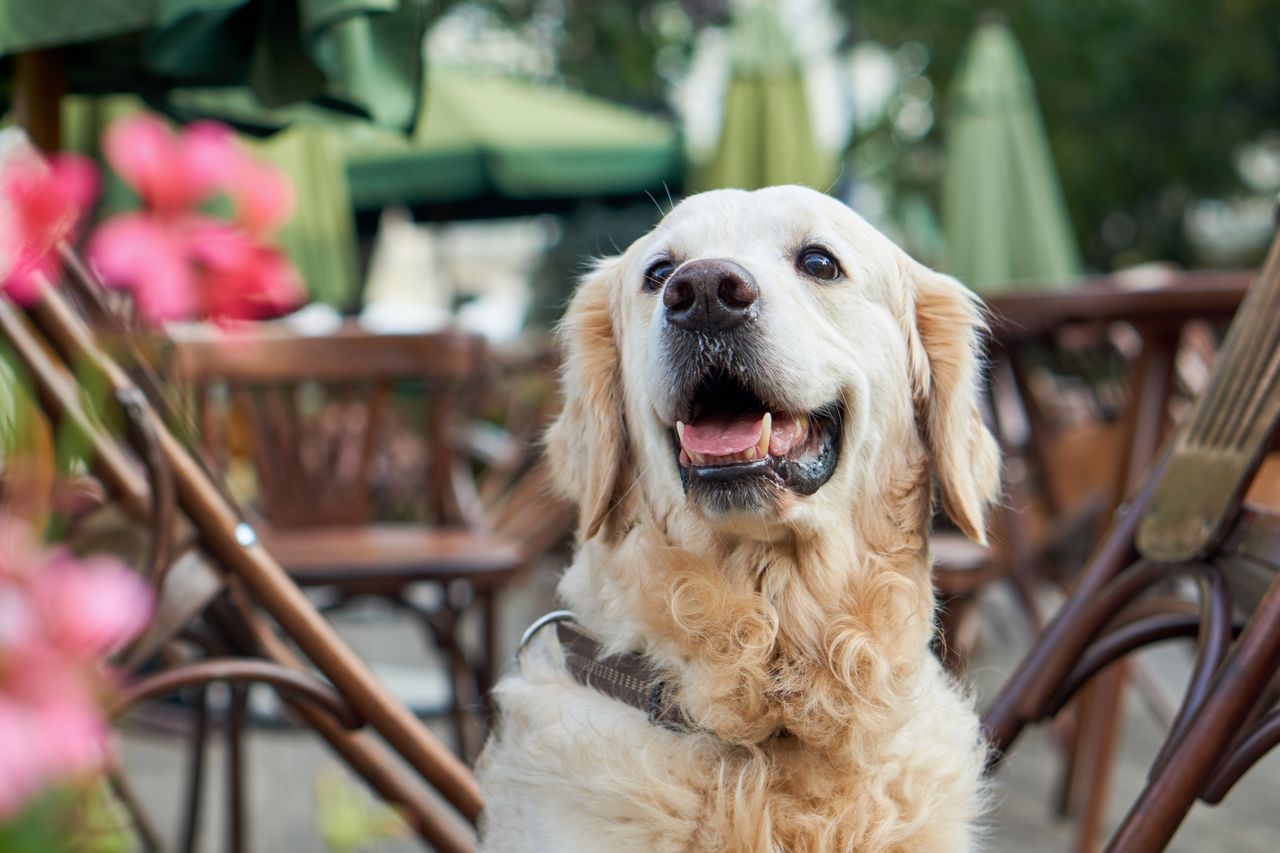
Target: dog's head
point(764, 361)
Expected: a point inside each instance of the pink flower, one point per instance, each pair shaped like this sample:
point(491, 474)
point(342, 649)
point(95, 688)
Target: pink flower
point(262, 195)
point(171, 172)
point(90, 607)
point(59, 617)
point(45, 203)
point(22, 771)
point(147, 255)
point(242, 279)
point(194, 266)
point(178, 262)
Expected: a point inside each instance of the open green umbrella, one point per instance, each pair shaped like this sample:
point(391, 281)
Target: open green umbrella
point(358, 56)
point(1004, 214)
point(498, 139)
point(767, 137)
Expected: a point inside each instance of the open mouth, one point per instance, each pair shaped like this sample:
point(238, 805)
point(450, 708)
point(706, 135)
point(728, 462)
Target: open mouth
point(739, 451)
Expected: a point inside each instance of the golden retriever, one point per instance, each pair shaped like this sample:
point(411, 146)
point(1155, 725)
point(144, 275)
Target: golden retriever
point(757, 397)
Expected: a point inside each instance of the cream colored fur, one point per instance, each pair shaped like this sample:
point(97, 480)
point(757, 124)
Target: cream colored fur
point(815, 619)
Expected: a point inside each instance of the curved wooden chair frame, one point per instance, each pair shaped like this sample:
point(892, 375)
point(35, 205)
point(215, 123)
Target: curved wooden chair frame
point(1186, 519)
point(160, 484)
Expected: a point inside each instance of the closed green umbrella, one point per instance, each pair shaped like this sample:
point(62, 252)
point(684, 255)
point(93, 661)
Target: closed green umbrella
point(766, 137)
point(500, 138)
point(1004, 214)
point(358, 56)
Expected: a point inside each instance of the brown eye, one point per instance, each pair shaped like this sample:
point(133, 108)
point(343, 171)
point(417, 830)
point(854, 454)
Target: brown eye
point(819, 264)
point(658, 273)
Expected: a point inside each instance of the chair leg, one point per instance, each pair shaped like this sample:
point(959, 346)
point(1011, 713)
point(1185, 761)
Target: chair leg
point(488, 665)
point(235, 723)
point(466, 701)
point(144, 827)
point(442, 626)
point(195, 772)
point(1024, 696)
point(1241, 681)
point(1097, 743)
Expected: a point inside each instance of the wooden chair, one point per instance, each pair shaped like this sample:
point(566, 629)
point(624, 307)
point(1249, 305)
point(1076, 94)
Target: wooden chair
point(219, 591)
point(1094, 404)
point(320, 417)
point(1062, 403)
point(1185, 519)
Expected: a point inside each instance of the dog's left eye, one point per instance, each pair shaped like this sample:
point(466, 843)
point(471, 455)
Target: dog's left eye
point(658, 273)
point(819, 264)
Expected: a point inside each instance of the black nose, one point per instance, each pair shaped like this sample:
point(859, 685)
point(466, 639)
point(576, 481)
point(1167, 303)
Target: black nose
point(709, 296)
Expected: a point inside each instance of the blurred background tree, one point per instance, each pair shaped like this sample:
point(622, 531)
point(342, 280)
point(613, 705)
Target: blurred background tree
point(1149, 106)
point(624, 50)
point(1164, 118)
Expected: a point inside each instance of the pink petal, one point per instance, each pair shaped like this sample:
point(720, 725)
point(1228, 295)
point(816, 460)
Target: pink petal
point(141, 149)
point(91, 607)
point(75, 179)
point(172, 173)
point(19, 626)
point(277, 283)
point(209, 156)
point(67, 729)
point(30, 277)
point(22, 768)
point(45, 203)
point(266, 286)
point(146, 255)
point(263, 196)
point(217, 244)
point(76, 739)
point(241, 278)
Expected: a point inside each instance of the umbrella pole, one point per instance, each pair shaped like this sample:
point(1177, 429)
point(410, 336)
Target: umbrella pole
point(39, 81)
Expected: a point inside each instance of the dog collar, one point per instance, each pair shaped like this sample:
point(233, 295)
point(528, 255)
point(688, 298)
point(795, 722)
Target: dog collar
point(630, 677)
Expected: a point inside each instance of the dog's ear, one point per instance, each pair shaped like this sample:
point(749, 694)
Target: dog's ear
point(945, 339)
point(586, 444)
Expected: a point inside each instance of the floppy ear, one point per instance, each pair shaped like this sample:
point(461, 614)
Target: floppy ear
point(586, 443)
point(945, 351)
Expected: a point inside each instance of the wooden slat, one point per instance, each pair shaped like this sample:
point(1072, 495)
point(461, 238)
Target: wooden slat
point(351, 355)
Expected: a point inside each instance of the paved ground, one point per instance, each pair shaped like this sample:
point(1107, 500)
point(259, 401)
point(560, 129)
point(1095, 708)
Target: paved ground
point(286, 764)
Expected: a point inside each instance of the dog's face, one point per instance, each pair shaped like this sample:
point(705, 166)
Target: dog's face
point(767, 358)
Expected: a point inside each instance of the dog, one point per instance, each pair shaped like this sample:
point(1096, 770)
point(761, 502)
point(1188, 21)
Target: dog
point(758, 397)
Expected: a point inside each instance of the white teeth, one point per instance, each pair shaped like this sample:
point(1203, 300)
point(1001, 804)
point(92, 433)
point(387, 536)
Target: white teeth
point(760, 450)
point(802, 425)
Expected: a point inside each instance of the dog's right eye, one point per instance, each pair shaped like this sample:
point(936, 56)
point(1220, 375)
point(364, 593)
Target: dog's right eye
point(658, 273)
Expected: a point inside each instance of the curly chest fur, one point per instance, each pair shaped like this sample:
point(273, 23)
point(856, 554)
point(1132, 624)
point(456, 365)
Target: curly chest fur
point(570, 769)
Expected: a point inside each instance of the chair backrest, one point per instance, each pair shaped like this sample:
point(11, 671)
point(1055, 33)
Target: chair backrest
point(1226, 435)
point(319, 416)
point(1075, 358)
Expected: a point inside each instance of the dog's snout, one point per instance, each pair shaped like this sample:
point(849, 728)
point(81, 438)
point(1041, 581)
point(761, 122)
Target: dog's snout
point(709, 296)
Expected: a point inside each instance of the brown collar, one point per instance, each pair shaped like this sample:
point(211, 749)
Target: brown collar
point(630, 677)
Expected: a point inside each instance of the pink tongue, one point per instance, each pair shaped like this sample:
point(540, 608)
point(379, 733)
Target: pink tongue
point(720, 435)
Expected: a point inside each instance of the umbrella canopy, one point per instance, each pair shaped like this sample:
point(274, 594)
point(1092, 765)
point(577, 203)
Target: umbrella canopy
point(486, 136)
point(1003, 209)
point(357, 56)
point(767, 137)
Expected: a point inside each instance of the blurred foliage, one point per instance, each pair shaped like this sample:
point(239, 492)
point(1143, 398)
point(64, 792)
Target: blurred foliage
point(619, 49)
point(85, 819)
point(1146, 103)
point(349, 819)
